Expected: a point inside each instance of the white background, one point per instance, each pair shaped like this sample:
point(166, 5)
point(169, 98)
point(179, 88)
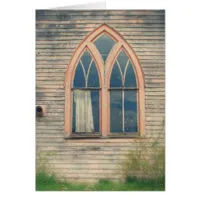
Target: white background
point(17, 82)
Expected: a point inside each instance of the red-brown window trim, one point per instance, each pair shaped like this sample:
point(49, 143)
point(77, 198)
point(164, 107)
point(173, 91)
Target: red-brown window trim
point(104, 77)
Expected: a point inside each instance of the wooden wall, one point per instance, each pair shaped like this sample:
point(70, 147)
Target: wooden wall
point(58, 34)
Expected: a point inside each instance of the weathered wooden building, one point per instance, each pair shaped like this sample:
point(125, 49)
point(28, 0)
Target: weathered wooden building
point(100, 84)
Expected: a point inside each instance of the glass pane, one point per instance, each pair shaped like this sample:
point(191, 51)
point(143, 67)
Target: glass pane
point(104, 44)
point(116, 111)
point(122, 59)
point(130, 111)
point(95, 109)
point(85, 111)
point(130, 80)
point(93, 78)
point(116, 78)
point(79, 79)
point(86, 59)
point(104, 57)
point(74, 115)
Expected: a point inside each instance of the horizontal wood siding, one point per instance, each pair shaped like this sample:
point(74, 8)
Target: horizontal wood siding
point(58, 33)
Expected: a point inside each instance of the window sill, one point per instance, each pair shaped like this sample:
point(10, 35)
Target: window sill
point(98, 136)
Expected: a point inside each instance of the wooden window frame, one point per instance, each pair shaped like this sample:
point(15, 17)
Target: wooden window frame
point(104, 72)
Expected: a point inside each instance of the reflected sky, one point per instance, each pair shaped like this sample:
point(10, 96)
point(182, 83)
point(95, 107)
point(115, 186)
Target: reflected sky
point(122, 59)
point(116, 111)
point(104, 44)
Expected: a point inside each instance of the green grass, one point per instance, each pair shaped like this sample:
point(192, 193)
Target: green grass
point(46, 182)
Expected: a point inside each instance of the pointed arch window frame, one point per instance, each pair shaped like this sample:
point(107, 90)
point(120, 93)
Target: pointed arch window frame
point(85, 76)
point(104, 71)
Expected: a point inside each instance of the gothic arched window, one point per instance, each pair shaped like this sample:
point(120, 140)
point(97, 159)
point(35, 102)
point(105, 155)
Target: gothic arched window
point(86, 96)
point(104, 88)
point(123, 96)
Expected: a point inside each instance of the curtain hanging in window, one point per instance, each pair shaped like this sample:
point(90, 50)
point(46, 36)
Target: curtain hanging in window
point(83, 113)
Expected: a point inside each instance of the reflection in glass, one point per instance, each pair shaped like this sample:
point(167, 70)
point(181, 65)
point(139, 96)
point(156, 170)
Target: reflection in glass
point(79, 79)
point(116, 111)
point(86, 59)
point(130, 111)
point(116, 78)
point(104, 44)
point(95, 109)
point(74, 116)
point(130, 80)
point(123, 102)
point(122, 59)
point(93, 78)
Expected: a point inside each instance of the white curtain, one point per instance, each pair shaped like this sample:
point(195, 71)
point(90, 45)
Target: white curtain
point(83, 113)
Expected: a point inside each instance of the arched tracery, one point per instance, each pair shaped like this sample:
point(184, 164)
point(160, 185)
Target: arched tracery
point(104, 87)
